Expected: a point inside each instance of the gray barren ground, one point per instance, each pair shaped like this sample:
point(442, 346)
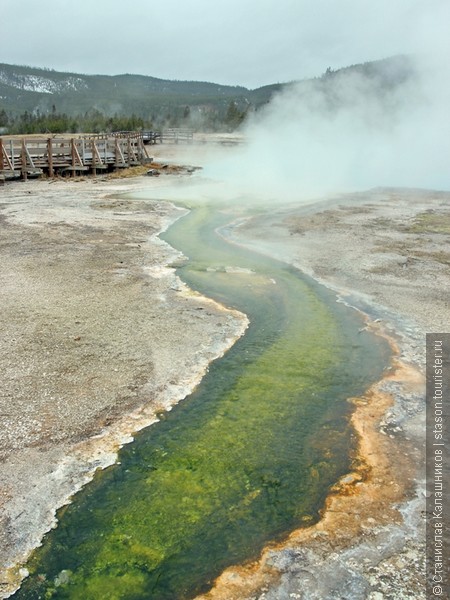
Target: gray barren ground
point(97, 337)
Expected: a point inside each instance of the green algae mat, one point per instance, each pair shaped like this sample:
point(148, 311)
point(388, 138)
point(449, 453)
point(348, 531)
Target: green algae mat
point(248, 457)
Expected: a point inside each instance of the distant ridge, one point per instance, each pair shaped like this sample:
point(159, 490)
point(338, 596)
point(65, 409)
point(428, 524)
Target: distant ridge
point(33, 89)
point(40, 91)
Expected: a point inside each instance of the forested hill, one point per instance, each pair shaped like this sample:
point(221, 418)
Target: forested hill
point(30, 94)
point(44, 91)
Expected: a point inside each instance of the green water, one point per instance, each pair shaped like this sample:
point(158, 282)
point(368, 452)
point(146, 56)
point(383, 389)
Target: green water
point(249, 456)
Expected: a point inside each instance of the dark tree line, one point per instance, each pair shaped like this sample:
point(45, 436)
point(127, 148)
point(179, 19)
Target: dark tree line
point(95, 121)
point(54, 122)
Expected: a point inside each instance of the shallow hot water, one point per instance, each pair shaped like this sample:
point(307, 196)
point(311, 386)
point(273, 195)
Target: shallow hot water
point(248, 457)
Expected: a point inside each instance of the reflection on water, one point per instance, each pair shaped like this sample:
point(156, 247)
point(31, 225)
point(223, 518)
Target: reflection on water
point(245, 459)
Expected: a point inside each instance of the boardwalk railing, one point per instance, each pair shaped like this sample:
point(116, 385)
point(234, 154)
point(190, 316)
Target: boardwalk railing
point(33, 156)
point(151, 137)
point(177, 135)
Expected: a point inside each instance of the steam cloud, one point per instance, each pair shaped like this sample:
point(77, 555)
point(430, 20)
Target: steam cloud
point(349, 130)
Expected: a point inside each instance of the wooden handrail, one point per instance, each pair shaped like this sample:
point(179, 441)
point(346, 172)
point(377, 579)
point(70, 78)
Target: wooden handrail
point(52, 155)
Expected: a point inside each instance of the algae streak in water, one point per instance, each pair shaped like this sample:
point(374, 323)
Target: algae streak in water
point(245, 459)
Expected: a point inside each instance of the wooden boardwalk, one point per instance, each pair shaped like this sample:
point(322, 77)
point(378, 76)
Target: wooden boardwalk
point(177, 135)
point(34, 156)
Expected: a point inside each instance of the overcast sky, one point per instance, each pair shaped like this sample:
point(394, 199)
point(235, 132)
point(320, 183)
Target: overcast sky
point(237, 42)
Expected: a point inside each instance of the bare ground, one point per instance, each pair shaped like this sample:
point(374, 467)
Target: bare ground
point(97, 337)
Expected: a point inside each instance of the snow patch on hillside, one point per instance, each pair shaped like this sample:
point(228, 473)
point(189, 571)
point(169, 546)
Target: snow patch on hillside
point(44, 85)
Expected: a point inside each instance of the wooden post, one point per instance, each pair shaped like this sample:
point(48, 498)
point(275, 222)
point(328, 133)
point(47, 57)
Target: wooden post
point(72, 147)
point(129, 150)
point(2, 164)
point(142, 152)
point(23, 160)
point(94, 170)
point(13, 158)
point(116, 152)
point(145, 154)
point(50, 157)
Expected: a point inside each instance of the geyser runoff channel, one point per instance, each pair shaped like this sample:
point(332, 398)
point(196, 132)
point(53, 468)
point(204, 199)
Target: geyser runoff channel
point(245, 459)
